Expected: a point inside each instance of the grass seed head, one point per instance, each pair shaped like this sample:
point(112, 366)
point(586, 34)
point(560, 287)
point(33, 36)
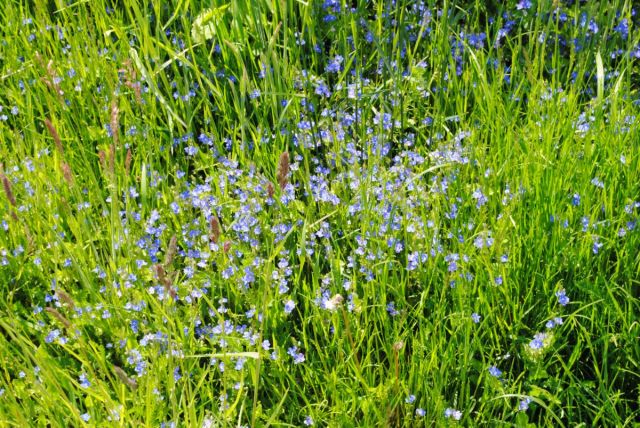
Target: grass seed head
point(283, 170)
point(172, 249)
point(102, 158)
point(66, 298)
point(54, 134)
point(67, 173)
point(270, 190)
point(127, 161)
point(57, 315)
point(7, 189)
point(214, 223)
point(122, 375)
point(114, 122)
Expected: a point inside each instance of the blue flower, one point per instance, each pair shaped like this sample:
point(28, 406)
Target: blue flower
point(575, 200)
point(298, 357)
point(524, 404)
point(538, 341)
point(494, 371)
point(453, 413)
point(289, 306)
point(84, 382)
point(480, 198)
point(391, 308)
point(596, 246)
point(563, 300)
point(524, 5)
point(335, 65)
point(622, 28)
point(53, 335)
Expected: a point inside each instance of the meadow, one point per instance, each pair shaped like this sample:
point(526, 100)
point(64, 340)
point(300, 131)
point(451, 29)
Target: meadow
point(319, 213)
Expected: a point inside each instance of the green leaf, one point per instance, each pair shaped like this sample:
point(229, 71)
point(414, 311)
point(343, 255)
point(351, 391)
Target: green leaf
point(204, 26)
point(600, 76)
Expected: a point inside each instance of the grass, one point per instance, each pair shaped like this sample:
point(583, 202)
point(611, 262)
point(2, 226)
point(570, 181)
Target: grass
point(289, 213)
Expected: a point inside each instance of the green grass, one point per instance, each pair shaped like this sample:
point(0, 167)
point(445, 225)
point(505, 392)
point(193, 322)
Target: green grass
point(443, 184)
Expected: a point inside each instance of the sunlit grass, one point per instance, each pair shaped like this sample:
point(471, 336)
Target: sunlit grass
point(387, 214)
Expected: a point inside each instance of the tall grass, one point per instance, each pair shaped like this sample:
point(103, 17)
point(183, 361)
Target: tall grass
point(335, 213)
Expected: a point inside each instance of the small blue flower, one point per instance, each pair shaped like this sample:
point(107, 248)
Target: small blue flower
point(524, 5)
point(596, 246)
point(453, 413)
point(563, 300)
point(575, 200)
point(308, 421)
point(538, 341)
point(85, 417)
point(289, 306)
point(524, 404)
point(391, 308)
point(494, 371)
point(475, 317)
point(597, 182)
point(298, 357)
point(84, 382)
point(334, 65)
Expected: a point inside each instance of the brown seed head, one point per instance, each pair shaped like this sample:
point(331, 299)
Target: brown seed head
point(270, 190)
point(172, 249)
point(127, 161)
point(66, 172)
point(54, 135)
point(162, 275)
point(65, 298)
point(283, 170)
point(114, 121)
point(122, 375)
point(102, 157)
point(214, 223)
point(165, 281)
point(112, 158)
point(7, 189)
point(57, 315)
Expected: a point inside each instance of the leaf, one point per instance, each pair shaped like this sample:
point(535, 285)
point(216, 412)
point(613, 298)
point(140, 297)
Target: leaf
point(600, 76)
point(204, 26)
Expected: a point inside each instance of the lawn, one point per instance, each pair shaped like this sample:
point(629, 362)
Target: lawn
point(319, 213)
